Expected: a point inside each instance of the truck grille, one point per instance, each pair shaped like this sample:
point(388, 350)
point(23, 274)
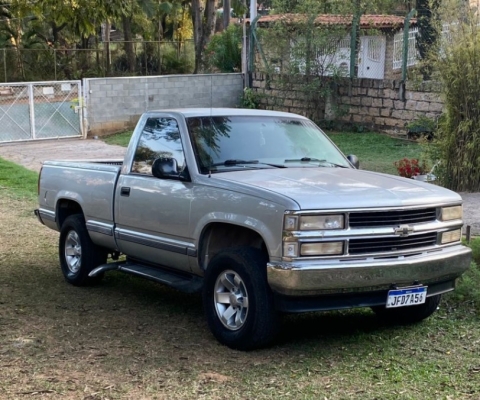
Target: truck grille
point(383, 245)
point(392, 218)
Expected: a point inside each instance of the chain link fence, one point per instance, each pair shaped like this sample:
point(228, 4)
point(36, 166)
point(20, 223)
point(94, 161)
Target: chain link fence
point(144, 58)
point(41, 110)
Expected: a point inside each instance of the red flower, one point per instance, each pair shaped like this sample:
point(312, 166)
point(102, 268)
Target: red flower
point(410, 167)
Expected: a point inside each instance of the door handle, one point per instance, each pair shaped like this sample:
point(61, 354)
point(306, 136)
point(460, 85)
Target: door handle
point(125, 191)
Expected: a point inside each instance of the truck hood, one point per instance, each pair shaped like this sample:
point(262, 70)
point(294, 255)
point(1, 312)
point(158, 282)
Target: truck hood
point(338, 188)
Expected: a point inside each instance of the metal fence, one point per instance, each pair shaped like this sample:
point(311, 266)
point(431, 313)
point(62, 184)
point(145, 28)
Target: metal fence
point(41, 110)
point(150, 58)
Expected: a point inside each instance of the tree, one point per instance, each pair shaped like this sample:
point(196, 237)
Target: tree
point(427, 32)
point(203, 28)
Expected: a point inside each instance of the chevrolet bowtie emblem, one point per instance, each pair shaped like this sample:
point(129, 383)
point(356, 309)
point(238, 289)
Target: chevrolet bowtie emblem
point(403, 230)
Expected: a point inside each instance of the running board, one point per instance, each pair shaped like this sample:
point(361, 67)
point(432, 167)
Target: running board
point(187, 284)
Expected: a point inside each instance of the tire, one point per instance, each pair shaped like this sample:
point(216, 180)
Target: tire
point(408, 315)
point(78, 254)
point(235, 277)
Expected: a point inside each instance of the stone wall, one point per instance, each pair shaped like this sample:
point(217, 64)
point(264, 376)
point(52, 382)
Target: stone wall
point(278, 93)
point(382, 105)
point(115, 104)
point(386, 105)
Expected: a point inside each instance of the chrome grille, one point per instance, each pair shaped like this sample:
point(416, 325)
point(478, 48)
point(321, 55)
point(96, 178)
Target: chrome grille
point(392, 218)
point(389, 244)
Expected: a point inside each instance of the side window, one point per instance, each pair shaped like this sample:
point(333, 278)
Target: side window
point(160, 138)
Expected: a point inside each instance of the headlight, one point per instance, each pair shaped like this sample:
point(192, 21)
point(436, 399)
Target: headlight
point(451, 236)
point(450, 213)
point(314, 222)
point(321, 249)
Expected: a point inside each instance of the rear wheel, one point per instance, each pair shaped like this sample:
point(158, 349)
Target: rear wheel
point(237, 299)
point(410, 314)
point(78, 254)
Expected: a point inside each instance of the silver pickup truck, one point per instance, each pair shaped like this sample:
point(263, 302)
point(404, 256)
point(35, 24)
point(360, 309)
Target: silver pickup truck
point(262, 213)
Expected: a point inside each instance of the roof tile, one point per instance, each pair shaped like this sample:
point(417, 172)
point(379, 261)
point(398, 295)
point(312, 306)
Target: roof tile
point(367, 21)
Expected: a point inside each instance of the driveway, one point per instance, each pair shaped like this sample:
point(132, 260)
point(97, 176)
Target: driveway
point(32, 154)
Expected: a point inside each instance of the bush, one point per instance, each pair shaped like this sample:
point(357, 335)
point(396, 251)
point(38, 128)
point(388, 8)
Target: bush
point(458, 135)
point(468, 286)
point(224, 51)
point(249, 99)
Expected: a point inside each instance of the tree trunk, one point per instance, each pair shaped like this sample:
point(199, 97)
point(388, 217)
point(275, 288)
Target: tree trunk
point(129, 48)
point(203, 27)
point(226, 13)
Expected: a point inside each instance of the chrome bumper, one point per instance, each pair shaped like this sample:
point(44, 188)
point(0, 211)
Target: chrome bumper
point(307, 278)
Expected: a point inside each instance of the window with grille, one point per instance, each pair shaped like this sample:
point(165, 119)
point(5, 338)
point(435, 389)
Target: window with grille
point(398, 49)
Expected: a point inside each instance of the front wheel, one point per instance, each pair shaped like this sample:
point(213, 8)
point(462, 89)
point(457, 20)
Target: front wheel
point(78, 254)
point(410, 314)
point(238, 300)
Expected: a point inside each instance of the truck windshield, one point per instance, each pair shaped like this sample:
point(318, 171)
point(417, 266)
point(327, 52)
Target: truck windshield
point(268, 141)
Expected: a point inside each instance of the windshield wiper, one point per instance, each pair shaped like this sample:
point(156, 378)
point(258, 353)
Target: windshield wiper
point(233, 162)
point(304, 159)
point(308, 159)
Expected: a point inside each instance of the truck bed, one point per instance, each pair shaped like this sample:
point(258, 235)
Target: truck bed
point(89, 183)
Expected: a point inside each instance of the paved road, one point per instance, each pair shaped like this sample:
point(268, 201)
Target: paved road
point(32, 154)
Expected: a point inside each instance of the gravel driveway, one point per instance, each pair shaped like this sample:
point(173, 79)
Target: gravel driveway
point(32, 154)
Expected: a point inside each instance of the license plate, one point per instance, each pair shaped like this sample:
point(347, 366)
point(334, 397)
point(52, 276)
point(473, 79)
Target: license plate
point(410, 296)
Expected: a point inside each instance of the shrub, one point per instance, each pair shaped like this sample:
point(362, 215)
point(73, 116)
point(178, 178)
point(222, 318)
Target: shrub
point(224, 51)
point(468, 285)
point(458, 134)
point(249, 99)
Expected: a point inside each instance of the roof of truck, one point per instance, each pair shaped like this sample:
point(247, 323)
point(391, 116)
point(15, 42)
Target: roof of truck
point(220, 112)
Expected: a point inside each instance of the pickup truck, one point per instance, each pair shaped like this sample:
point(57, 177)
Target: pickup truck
point(261, 213)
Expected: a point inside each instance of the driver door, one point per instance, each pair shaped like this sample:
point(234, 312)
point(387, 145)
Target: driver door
point(152, 214)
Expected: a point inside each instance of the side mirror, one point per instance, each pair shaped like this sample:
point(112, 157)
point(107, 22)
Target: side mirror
point(354, 161)
point(167, 168)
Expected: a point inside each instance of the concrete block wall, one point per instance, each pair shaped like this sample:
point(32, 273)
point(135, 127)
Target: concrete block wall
point(372, 103)
point(115, 104)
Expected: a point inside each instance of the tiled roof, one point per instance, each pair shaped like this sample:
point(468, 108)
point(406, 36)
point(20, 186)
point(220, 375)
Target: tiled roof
point(367, 21)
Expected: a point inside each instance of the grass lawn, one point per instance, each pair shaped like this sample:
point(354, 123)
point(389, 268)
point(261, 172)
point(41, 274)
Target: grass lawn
point(128, 338)
point(120, 139)
point(18, 180)
point(376, 152)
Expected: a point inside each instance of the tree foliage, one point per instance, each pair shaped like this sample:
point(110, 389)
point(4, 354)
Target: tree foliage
point(458, 136)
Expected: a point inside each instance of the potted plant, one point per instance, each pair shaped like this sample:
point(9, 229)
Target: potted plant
point(413, 168)
point(421, 127)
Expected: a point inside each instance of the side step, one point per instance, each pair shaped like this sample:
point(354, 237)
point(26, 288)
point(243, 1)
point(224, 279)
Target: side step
point(184, 283)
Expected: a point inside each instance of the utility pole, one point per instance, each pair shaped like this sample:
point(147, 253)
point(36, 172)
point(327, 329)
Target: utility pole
point(253, 10)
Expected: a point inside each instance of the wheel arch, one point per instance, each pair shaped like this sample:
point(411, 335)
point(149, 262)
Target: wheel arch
point(217, 236)
point(65, 208)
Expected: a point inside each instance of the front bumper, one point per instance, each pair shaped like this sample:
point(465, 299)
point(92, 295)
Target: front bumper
point(311, 278)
